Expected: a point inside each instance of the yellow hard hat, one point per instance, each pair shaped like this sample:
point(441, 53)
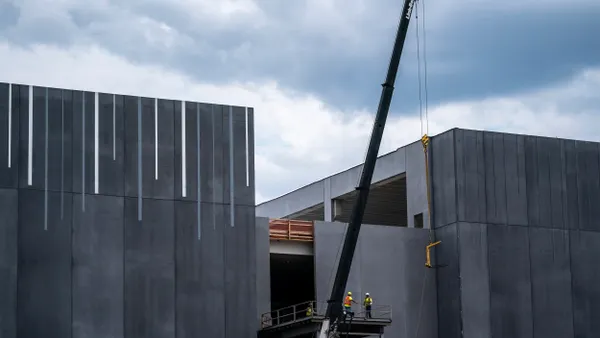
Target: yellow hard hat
point(349, 293)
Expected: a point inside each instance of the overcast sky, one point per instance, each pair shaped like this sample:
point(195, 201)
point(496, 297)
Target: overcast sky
point(312, 68)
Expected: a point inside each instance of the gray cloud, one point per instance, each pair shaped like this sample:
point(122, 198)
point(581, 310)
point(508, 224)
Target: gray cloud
point(337, 51)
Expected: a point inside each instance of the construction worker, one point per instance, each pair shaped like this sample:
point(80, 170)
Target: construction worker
point(309, 310)
point(367, 303)
point(348, 304)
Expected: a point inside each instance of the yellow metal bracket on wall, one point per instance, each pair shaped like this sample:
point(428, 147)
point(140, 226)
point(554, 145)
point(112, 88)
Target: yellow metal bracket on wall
point(428, 253)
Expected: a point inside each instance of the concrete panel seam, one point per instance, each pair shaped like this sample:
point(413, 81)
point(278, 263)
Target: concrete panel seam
point(30, 138)
point(460, 284)
point(9, 163)
point(455, 184)
point(571, 272)
point(489, 272)
point(563, 179)
point(139, 153)
point(46, 160)
point(530, 277)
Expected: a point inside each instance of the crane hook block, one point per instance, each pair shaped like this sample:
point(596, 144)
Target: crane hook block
point(428, 253)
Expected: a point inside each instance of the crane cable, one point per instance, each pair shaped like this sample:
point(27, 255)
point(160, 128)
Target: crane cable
point(424, 113)
point(425, 142)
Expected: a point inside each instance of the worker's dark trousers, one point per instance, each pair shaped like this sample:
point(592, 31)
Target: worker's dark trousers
point(368, 311)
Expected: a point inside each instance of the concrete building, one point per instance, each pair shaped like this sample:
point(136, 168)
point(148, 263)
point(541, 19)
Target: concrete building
point(518, 218)
point(135, 217)
point(124, 216)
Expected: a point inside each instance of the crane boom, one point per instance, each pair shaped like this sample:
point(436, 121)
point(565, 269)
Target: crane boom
point(334, 307)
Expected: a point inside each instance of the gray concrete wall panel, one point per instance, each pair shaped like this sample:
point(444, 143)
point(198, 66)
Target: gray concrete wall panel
point(111, 147)
point(83, 142)
point(495, 178)
point(94, 253)
point(448, 282)
point(388, 165)
point(9, 201)
point(516, 187)
point(9, 111)
point(240, 310)
point(130, 116)
point(585, 250)
point(44, 267)
point(545, 187)
point(444, 178)
point(470, 177)
point(510, 281)
point(551, 283)
point(300, 199)
point(60, 122)
point(475, 280)
point(251, 153)
point(229, 138)
point(190, 152)
point(416, 184)
point(158, 176)
point(208, 171)
point(38, 138)
point(23, 144)
point(199, 272)
point(389, 264)
point(589, 185)
point(571, 181)
point(219, 179)
point(149, 269)
point(246, 237)
point(263, 266)
point(244, 194)
point(97, 283)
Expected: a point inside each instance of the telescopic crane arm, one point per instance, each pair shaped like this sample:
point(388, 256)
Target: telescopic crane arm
point(334, 307)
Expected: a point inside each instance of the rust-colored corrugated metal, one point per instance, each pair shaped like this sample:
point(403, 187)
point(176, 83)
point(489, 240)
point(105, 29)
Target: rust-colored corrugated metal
point(291, 230)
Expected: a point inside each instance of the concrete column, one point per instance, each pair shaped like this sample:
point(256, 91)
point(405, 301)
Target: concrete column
point(337, 209)
point(327, 200)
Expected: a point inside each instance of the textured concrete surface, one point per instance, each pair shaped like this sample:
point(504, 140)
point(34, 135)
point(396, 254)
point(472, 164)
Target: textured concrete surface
point(124, 219)
point(263, 269)
point(389, 264)
point(517, 217)
point(9, 201)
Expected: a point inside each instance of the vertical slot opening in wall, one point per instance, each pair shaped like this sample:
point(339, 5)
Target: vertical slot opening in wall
point(9, 150)
point(30, 138)
point(96, 143)
point(292, 281)
point(418, 220)
point(183, 153)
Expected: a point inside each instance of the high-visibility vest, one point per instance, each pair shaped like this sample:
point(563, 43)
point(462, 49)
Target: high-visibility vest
point(368, 301)
point(309, 311)
point(348, 301)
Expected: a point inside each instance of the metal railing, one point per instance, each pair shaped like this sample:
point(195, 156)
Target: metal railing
point(291, 230)
point(305, 310)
